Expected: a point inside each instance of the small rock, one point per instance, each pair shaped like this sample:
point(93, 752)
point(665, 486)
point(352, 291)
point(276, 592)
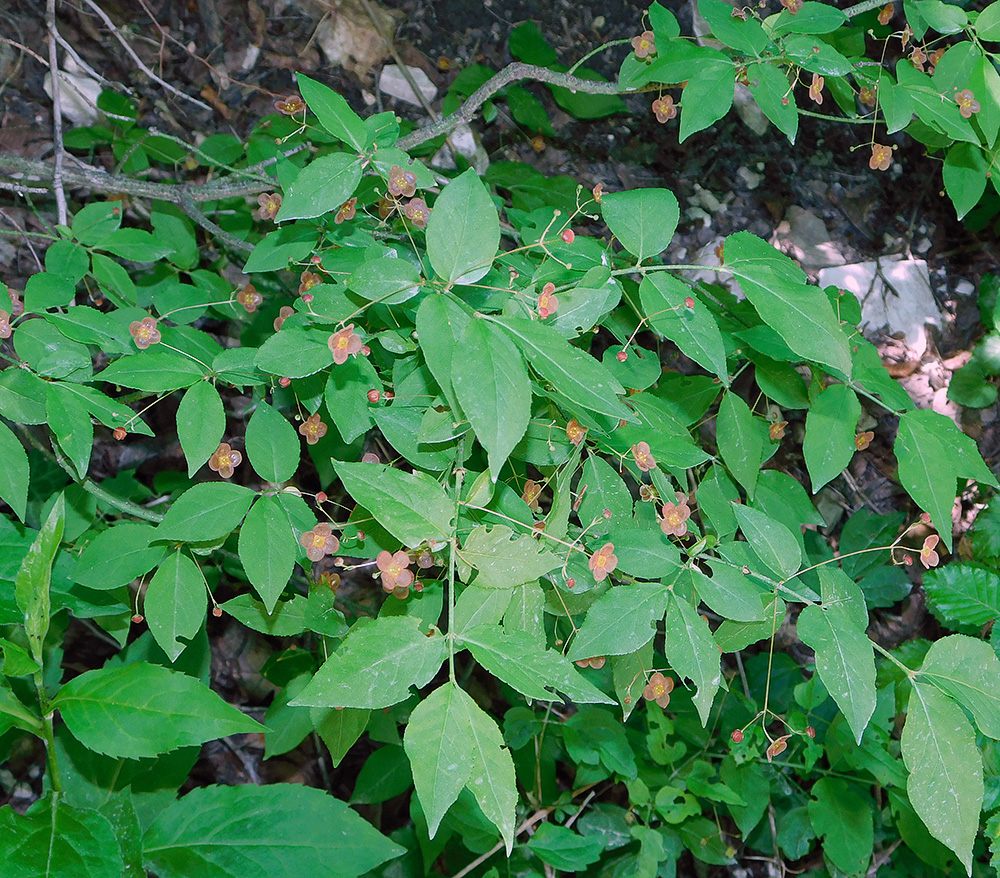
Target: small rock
point(893, 292)
point(751, 179)
point(805, 237)
point(394, 83)
point(922, 246)
point(964, 287)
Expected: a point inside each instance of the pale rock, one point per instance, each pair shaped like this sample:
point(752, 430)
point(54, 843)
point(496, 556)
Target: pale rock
point(805, 238)
point(894, 292)
point(393, 82)
point(750, 178)
point(463, 141)
point(78, 93)
point(964, 287)
point(346, 36)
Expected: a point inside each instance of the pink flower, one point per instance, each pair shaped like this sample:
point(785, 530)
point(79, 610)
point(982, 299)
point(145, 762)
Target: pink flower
point(395, 570)
point(343, 344)
point(319, 541)
point(675, 517)
point(928, 557)
point(644, 44)
point(967, 103)
point(643, 459)
point(603, 561)
point(270, 204)
point(313, 429)
point(547, 302)
point(144, 332)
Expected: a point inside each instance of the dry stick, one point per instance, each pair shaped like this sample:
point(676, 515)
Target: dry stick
point(482, 858)
point(138, 61)
point(57, 171)
point(192, 210)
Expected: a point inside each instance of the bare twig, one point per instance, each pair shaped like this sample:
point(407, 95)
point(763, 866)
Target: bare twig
point(482, 858)
point(138, 61)
point(192, 210)
point(57, 170)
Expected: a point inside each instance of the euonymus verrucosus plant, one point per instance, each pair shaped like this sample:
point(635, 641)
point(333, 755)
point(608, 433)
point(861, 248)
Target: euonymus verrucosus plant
point(477, 380)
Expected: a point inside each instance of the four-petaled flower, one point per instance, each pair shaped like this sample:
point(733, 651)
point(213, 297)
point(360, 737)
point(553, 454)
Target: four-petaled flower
point(270, 204)
point(5, 328)
point(313, 429)
point(776, 431)
point(816, 88)
point(778, 745)
point(886, 13)
point(532, 490)
point(402, 183)
point(395, 570)
point(575, 432)
point(144, 332)
point(658, 689)
point(285, 312)
point(547, 301)
point(603, 561)
point(644, 44)
point(967, 103)
point(881, 157)
point(643, 459)
point(863, 440)
point(793, 6)
point(225, 460)
point(664, 108)
point(675, 516)
point(346, 211)
point(249, 298)
point(867, 95)
point(597, 662)
point(928, 557)
point(291, 105)
point(919, 57)
point(417, 212)
point(319, 541)
point(343, 344)
point(308, 281)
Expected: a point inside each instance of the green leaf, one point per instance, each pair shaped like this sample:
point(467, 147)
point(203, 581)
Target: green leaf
point(693, 329)
point(387, 281)
point(206, 511)
point(175, 603)
point(965, 174)
point(463, 231)
point(967, 669)
point(812, 18)
point(93, 222)
point(801, 314)
point(644, 220)
point(773, 93)
point(339, 729)
point(14, 473)
point(844, 820)
point(137, 245)
point(984, 82)
point(34, 578)
point(707, 97)
point(933, 453)
point(39, 344)
point(741, 441)
point(503, 562)
point(729, 593)
point(743, 34)
point(945, 785)
point(376, 666)
point(272, 446)
point(692, 653)
point(141, 710)
point(333, 112)
point(412, 506)
point(268, 549)
point(988, 23)
point(940, 113)
point(845, 660)
point(320, 187)
point(492, 778)
point(385, 775)
point(643, 552)
point(441, 322)
point(281, 247)
point(154, 371)
point(108, 411)
point(963, 597)
point(513, 656)
point(275, 831)
point(945, 18)
point(830, 428)
point(71, 425)
point(201, 421)
point(573, 372)
point(603, 488)
point(437, 743)
point(22, 396)
point(295, 353)
point(564, 849)
point(57, 841)
point(816, 56)
point(492, 385)
point(118, 555)
point(620, 621)
point(480, 606)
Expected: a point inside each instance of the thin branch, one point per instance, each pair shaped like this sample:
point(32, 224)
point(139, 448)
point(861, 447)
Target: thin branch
point(138, 61)
point(57, 136)
point(192, 210)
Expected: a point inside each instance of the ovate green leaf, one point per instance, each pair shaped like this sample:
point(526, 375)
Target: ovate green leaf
point(644, 220)
point(201, 421)
point(463, 231)
point(692, 652)
point(830, 428)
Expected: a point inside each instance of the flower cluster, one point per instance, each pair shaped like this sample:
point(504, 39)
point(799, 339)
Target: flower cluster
point(313, 429)
point(225, 460)
point(675, 516)
point(144, 332)
point(319, 542)
point(658, 689)
point(603, 561)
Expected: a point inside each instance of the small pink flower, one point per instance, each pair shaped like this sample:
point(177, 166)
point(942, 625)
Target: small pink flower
point(5, 328)
point(928, 556)
point(395, 570)
point(881, 157)
point(225, 460)
point(285, 312)
point(644, 44)
point(547, 302)
point(816, 88)
point(658, 689)
point(270, 204)
point(308, 280)
point(319, 541)
point(532, 490)
point(346, 211)
point(664, 109)
point(417, 212)
point(291, 105)
point(313, 429)
point(643, 459)
point(343, 344)
point(575, 432)
point(675, 517)
point(603, 561)
point(967, 103)
point(249, 298)
point(402, 183)
point(144, 332)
